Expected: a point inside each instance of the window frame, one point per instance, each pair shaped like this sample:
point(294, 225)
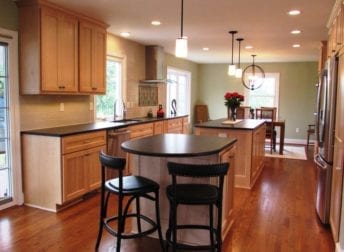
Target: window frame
point(11, 38)
point(188, 87)
point(276, 76)
point(123, 87)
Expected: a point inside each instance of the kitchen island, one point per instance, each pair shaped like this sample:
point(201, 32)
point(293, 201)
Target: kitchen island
point(250, 134)
point(151, 154)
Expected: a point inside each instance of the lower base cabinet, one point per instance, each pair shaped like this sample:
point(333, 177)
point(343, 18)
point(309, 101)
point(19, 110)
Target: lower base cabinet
point(66, 168)
point(81, 173)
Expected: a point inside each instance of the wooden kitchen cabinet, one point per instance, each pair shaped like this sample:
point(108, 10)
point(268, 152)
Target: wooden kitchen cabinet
point(174, 125)
point(141, 130)
point(249, 161)
point(158, 127)
point(225, 156)
point(92, 58)
point(59, 51)
point(54, 59)
point(67, 168)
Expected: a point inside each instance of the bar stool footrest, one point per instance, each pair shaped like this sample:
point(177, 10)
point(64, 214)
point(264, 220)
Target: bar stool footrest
point(154, 226)
point(191, 247)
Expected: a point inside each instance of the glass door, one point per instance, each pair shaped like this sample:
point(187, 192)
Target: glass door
point(5, 168)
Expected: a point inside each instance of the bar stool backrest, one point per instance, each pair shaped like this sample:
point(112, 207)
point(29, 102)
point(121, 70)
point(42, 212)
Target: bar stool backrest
point(113, 163)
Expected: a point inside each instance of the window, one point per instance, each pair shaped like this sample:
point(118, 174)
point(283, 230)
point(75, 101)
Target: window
point(265, 96)
point(105, 104)
point(178, 87)
point(10, 170)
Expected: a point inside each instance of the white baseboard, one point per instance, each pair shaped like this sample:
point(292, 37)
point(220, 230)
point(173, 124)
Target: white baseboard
point(295, 141)
point(338, 248)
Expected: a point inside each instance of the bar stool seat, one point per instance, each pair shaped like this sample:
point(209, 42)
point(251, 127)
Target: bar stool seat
point(195, 194)
point(134, 188)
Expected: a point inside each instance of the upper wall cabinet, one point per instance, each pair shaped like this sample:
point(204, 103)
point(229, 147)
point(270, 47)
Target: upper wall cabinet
point(92, 51)
point(61, 52)
point(336, 31)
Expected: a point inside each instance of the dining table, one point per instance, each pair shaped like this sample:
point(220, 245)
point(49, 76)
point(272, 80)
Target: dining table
point(280, 123)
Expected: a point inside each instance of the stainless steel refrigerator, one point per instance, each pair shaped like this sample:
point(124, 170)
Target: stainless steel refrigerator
point(325, 126)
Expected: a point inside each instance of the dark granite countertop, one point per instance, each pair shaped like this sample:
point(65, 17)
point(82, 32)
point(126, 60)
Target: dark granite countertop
point(177, 145)
point(245, 124)
point(87, 127)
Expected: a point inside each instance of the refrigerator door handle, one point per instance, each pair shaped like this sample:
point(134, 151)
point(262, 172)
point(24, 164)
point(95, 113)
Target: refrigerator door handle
point(319, 162)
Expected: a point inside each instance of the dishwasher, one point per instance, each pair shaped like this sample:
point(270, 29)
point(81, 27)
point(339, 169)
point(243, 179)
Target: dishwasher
point(115, 137)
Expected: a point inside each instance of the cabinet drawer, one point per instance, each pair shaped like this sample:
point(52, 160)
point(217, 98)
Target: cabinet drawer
point(141, 130)
point(158, 128)
point(174, 126)
point(83, 141)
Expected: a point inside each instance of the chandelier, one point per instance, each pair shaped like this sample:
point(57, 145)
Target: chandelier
point(253, 76)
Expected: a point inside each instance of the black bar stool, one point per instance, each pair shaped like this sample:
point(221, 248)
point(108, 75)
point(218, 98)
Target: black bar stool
point(134, 187)
point(195, 194)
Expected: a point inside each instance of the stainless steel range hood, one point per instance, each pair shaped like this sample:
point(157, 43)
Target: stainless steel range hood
point(155, 65)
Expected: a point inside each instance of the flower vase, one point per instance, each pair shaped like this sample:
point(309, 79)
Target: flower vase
point(232, 113)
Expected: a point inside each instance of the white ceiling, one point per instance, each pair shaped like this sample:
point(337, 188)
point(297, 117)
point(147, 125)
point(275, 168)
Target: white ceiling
point(263, 24)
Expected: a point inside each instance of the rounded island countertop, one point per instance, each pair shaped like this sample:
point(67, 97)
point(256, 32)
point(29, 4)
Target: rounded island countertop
point(177, 145)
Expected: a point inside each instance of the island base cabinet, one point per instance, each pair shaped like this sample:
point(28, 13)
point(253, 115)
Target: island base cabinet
point(228, 156)
point(249, 161)
point(155, 168)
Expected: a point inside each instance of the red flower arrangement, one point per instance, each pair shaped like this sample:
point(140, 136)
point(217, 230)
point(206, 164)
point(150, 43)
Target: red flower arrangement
point(233, 100)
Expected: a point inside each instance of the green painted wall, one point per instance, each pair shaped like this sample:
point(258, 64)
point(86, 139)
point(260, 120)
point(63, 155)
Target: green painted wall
point(297, 92)
point(8, 15)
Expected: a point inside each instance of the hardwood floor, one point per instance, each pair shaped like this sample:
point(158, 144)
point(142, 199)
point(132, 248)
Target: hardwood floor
point(278, 214)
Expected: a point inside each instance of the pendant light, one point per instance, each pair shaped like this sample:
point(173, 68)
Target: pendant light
point(181, 50)
point(231, 67)
point(253, 76)
point(238, 71)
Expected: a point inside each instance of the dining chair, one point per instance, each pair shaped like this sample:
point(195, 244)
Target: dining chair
point(269, 114)
point(243, 112)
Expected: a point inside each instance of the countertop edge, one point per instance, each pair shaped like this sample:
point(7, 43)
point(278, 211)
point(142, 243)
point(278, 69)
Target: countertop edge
point(89, 127)
point(231, 142)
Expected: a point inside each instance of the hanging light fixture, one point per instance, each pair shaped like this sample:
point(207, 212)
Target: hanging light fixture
point(231, 67)
point(253, 76)
point(238, 71)
point(181, 50)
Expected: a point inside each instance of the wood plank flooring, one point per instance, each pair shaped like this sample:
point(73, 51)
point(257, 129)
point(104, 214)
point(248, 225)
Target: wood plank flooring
point(278, 214)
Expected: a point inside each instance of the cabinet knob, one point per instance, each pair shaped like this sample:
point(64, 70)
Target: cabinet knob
point(61, 86)
point(94, 88)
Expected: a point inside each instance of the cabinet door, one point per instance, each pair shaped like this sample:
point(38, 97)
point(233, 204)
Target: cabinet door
point(59, 55)
point(74, 173)
point(92, 58)
point(228, 187)
point(158, 128)
point(93, 167)
point(257, 152)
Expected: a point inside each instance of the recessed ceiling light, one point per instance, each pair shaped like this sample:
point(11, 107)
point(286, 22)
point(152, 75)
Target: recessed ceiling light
point(248, 47)
point(205, 48)
point(295, 32)
point(156, 22)
point(296, 45)
point(294, 12)
point(125, 34)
